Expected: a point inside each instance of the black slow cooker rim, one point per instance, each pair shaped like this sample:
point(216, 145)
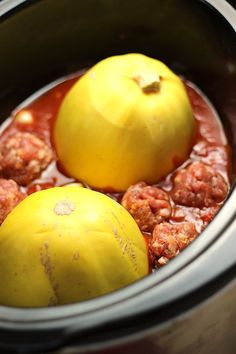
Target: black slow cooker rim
point(64, 315)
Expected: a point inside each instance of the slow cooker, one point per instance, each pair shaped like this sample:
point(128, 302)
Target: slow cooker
point(188, 306)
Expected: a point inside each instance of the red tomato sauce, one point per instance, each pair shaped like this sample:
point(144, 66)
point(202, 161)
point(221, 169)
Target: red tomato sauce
point(210, 148)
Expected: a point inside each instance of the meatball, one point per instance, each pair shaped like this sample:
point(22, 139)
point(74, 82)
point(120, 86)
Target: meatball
point(169, 239)
point(23, 157)
point(199, 185)
point(10, 196)
point(200, 217)
point(148, 205)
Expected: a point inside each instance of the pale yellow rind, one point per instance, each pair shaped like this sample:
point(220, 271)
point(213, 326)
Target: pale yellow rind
point(64, 245)
point(109, 133)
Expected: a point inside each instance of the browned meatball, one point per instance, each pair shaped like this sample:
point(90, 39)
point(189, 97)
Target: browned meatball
point(199, 185)
point(23, 157)
point(148, 205)
point(200, 217)
point(10, 196)
point(169, 239)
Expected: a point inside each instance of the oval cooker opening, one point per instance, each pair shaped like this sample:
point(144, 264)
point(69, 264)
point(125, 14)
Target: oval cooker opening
point(201, 47)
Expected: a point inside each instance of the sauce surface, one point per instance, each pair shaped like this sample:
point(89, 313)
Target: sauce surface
point(36, 116)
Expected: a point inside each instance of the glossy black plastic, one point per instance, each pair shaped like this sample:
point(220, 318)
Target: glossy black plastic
point(43, 40)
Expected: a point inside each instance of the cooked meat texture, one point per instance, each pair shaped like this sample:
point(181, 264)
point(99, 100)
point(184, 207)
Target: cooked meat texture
point(169, 239)
point(23, 157)
point(200, 217)
point(199, 185)
point(148, 205)
point(10, 196)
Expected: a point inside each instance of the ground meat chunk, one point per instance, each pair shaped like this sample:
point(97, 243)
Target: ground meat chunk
point(169, 239)
point(10, 196)
point(199, 185)
point(199, 217)
point(23, 157)
point(148, 205)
